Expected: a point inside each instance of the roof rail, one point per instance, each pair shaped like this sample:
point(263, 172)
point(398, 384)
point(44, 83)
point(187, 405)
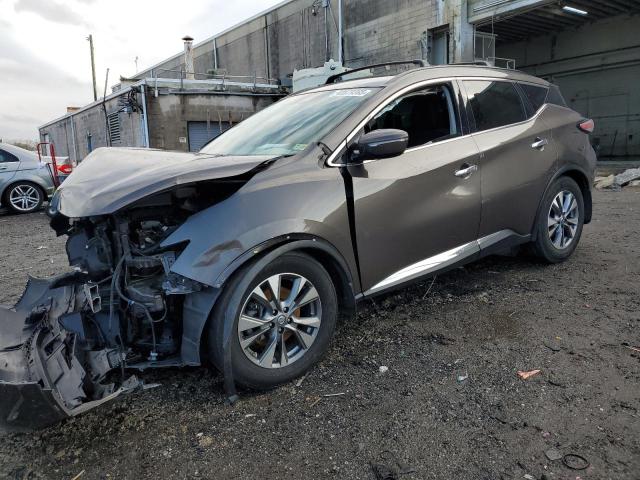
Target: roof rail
point(477, 63)
point(333, 78)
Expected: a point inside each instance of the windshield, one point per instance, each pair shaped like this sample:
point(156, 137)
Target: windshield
point(290, 125)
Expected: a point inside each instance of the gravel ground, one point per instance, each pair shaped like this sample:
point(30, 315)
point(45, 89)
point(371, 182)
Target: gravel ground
point(450, 405)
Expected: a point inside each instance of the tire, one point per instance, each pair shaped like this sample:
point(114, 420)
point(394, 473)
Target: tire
point(23, 197)
point(557, 241)
point(252, 364)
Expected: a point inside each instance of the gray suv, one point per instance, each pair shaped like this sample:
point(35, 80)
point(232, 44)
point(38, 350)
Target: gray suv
point(25, 182)
point(248, 252)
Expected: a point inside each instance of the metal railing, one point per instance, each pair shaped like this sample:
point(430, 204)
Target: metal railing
point(223, 77)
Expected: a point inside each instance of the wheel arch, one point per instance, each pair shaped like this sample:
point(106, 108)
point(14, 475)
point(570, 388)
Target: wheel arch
point(312, 245)
point(261, 255)
point(582, 179)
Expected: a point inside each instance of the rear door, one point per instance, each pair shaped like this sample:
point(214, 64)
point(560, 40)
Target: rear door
point(9, 165)
point(517, 152)
point(419, 211)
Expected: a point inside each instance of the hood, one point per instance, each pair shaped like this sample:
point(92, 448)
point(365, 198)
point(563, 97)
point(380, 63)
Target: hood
point(111, 178)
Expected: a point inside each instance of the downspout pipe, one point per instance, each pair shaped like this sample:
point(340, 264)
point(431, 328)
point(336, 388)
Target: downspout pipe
point(215, 54)
point(340, 33)
point(145, 123)
point(75, 143)
point(325, 5)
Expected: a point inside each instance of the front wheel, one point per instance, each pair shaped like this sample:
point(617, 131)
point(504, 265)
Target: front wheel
point(283, 321)
point(560, 221)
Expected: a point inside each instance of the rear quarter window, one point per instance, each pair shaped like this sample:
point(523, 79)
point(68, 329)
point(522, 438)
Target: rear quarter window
point(535, 94)
point(494, 103)
point(555, 97)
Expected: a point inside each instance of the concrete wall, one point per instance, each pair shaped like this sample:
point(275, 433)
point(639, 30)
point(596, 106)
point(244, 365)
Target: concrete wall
point(91, 121)
point(293, 37)
point(169, 114)
point(597, 67)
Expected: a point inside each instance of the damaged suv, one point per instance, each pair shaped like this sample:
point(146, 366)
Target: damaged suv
point(247, 253)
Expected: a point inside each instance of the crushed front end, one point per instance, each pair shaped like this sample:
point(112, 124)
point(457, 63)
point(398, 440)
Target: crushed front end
point(69, 343)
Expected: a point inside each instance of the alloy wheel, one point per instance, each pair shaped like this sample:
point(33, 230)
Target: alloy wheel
point(279, 320)
point(24, 198)
point(563, 220)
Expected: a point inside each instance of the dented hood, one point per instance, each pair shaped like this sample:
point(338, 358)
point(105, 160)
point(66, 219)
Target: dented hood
point(111, 178)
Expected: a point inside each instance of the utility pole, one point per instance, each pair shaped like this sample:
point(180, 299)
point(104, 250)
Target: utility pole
point(93, 68)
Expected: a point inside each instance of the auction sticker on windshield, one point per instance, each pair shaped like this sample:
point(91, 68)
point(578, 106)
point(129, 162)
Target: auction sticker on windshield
point(351, 92)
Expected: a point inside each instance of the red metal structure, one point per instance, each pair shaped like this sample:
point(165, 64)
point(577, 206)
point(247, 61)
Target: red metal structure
point(53, 169)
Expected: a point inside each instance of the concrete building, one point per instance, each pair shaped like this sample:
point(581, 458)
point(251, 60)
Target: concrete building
point(587, 47)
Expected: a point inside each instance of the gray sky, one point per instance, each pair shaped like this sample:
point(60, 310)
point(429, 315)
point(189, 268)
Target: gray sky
point(44, 56)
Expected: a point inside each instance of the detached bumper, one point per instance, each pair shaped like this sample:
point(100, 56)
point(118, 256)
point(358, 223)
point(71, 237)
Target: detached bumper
point(43, 367)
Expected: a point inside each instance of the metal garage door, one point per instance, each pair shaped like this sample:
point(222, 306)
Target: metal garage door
point(200, 133)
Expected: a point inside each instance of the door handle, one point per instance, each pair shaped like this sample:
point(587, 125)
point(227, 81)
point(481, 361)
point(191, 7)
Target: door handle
point(466, 172)
point(3, 168)
point(539, 143)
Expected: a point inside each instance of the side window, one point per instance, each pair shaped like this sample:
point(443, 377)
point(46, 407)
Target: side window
point(7, 157)
point(427, 115)
point(536, 95)
point(494, 104)
point(555, 96)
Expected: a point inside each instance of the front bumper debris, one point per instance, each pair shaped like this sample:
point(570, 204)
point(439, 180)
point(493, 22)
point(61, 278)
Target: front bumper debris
point(47, 372)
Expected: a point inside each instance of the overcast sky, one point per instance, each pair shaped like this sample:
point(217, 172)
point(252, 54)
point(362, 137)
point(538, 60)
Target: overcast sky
point(44, 56)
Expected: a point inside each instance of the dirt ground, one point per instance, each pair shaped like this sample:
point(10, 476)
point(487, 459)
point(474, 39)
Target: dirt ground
point(450, 405)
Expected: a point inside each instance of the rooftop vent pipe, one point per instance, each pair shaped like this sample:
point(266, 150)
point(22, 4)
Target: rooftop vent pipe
point(188, 57)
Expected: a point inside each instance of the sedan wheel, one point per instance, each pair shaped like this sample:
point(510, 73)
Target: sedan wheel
point(24, 198)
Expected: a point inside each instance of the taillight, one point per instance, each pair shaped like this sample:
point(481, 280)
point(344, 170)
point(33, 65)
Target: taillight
point(586, 125)
point(65, 169)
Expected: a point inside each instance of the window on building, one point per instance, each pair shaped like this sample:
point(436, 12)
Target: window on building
point(113, 120)
point(427, 115)
point(536, 95)
point(494, 104)
point(6, 157)
point(201, 133)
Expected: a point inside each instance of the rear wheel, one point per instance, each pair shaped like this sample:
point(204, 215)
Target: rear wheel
point(283, 321)
point(23, 197)
point(560, 221)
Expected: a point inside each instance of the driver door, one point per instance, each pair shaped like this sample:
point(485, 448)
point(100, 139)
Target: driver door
point(420, 211)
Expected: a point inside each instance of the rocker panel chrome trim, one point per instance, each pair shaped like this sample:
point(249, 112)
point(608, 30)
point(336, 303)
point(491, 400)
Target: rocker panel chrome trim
point(440, 261)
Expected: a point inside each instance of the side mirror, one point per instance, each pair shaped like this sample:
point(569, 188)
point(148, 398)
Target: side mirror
point(384, 143)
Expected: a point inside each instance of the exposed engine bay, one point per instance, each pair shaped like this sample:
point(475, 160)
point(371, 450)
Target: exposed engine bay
point(68, 344)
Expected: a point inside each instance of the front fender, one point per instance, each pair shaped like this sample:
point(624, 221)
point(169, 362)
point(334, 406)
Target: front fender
point(299, 199)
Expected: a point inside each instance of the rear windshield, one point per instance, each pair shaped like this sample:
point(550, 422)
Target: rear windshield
point(290, 125)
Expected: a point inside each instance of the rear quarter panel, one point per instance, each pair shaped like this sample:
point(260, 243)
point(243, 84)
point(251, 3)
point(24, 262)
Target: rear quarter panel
point(573, 145)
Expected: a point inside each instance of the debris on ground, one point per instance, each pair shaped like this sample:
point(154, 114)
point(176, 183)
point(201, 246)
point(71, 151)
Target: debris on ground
point(575, 461)
point(462, 377)
point(553, 454)
point(526, 375)
point(627, 176)
point(383, 369)
point(553, 346)
point(616, 182)
point(205, 441)
point(326, 395)
point(391, 469)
